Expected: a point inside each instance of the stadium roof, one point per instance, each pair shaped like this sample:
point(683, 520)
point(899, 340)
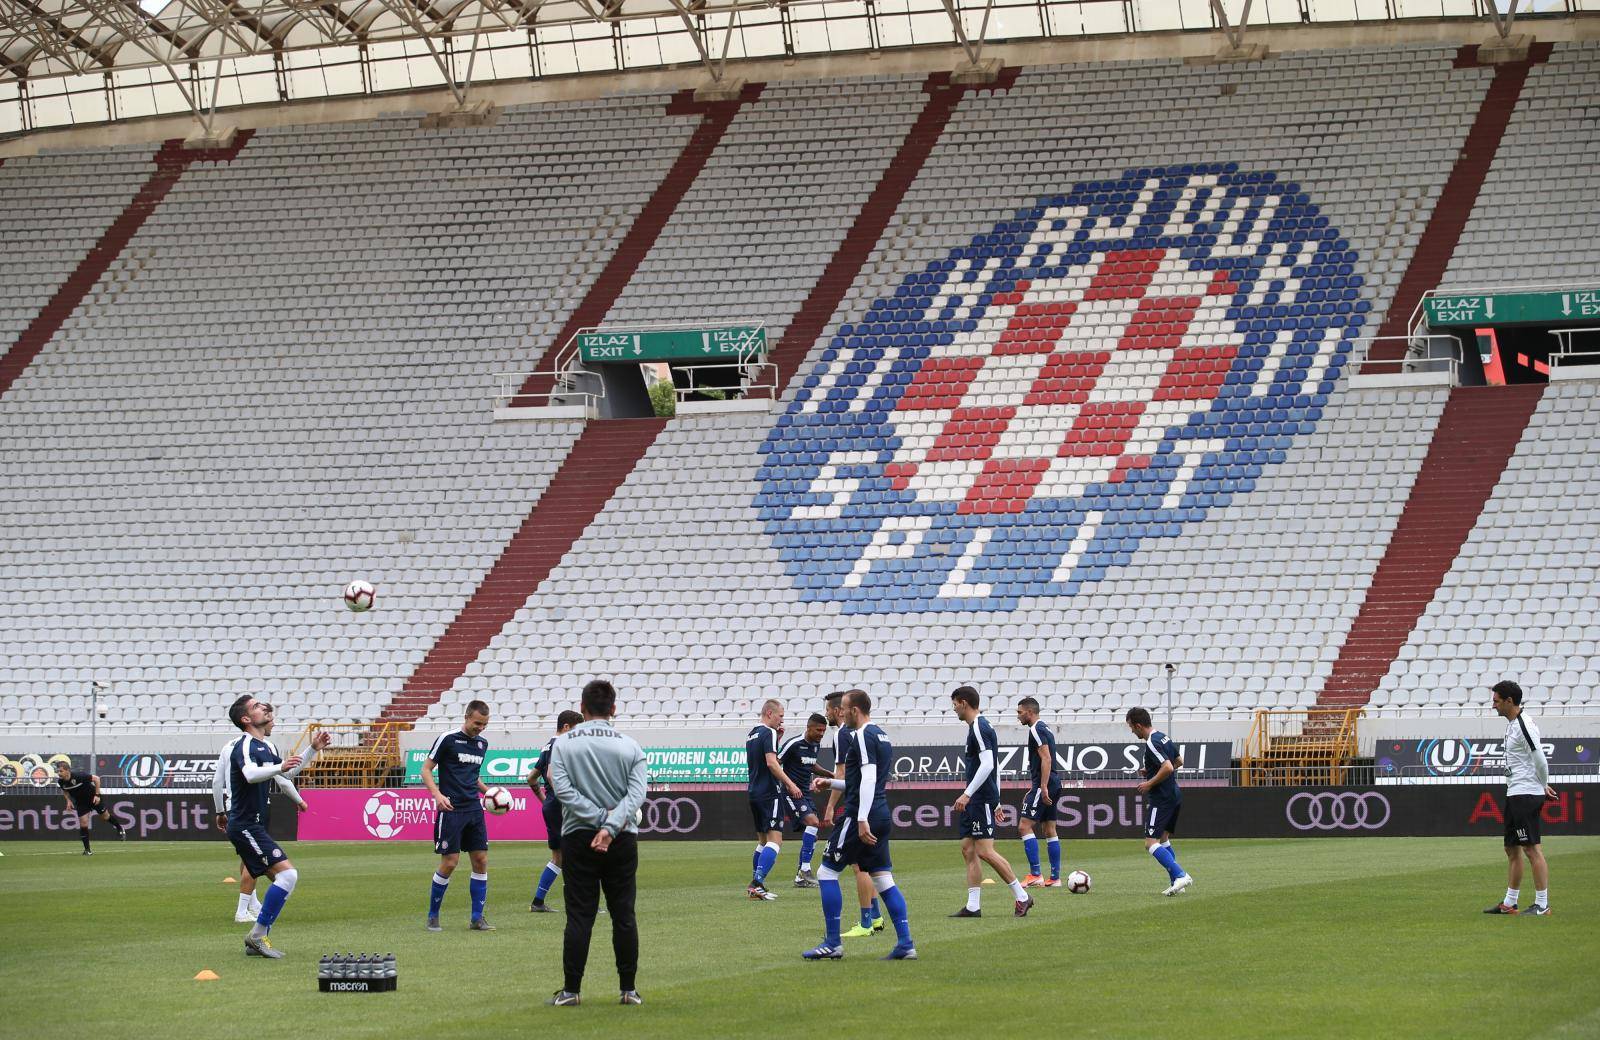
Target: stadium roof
point(81, 61)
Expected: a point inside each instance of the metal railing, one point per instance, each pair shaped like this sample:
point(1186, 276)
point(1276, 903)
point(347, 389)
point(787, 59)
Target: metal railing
point(1421, 354)
point(760, 375)
point(1568, 354)
point(563, 375)
point(1300, 746)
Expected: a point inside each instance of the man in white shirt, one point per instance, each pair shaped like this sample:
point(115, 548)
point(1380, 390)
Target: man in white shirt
point(1527, 787)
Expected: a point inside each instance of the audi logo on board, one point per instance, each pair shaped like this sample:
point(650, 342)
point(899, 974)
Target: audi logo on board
point(1337, 811)
point(669, 816)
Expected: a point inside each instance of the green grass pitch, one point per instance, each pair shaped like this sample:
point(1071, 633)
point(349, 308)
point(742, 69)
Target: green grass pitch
point(1290, 938)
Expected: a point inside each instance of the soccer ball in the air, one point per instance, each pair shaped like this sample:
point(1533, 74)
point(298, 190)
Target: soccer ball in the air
point(497, 800)
point(358, 596)
point(1078, 881)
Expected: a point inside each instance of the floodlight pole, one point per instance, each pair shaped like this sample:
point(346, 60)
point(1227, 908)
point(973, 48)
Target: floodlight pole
point(1171, 670)
point(95, 686)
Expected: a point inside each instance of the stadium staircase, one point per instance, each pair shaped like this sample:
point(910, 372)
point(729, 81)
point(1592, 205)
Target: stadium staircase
point(868, 227)
point(172, 160)
point(715, 116)
point(1475, 438)
point(1427, 267)
point(600, 460)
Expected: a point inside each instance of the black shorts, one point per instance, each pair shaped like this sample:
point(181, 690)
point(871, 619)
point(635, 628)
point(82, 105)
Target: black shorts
point(977, 820)
point(845, 847)
point(96, 806)
point(1161, 819)
point(1522, 819)
point(256, 849)
point(796, 810)
point(460, 830)
point(767, 814)
point(552, 822)
point(1041, 808)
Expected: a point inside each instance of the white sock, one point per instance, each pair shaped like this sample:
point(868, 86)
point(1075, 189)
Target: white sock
point(244, 902)
point(1541, 897)
point(1512, 895)
point(974, 899)
point(1020, 892)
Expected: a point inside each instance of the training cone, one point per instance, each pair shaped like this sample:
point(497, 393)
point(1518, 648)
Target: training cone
point(988, 880)
point(230, 881)
point(206, 975)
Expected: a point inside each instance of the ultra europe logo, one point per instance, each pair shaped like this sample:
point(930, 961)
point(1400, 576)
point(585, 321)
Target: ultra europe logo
point(1102, 369)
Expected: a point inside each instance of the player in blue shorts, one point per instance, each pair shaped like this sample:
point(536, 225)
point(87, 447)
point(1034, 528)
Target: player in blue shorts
point(768, 786)
point(798, 757)
point(1044, 791)
point(871, 922)
point(551, 808)
point(459, 824)
point(981, 755)
point(252, 765)
point(861, 837)
point(1163, 800)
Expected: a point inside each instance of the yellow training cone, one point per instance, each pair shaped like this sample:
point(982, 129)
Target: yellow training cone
point(988, 880)
point(230, 881)
point(206, 975)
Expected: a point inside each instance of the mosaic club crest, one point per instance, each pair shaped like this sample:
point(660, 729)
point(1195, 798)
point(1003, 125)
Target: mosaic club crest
point(1022, 415)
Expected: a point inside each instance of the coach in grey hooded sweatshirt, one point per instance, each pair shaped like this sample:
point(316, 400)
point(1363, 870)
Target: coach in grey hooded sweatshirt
point(599, 776)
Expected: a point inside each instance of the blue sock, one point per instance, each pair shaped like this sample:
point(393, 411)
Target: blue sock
point(1164, 856)
point(436, 895)
point(1054, 847)
point(866, 917)
point(755, 860)
point(896, 905)
point(479, 887)
point(807, 843)
point(271, 905)
point(547, 877)
point(1030, 845)
point(764, 862)
point(873, 908)
point(832, 908)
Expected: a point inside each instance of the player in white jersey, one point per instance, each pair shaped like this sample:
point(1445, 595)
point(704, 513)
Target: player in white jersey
point(1527, 787)
point(249, 906)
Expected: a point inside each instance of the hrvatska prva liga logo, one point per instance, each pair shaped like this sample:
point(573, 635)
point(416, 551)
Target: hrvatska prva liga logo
point(1022, 415)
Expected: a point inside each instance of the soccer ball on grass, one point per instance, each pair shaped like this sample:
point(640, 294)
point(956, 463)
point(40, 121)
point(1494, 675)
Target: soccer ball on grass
point(1078, 882)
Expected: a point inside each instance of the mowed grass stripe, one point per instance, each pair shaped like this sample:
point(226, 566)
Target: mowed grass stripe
point(1330, 937)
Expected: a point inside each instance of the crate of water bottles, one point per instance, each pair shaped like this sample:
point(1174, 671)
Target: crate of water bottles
point(357, 973)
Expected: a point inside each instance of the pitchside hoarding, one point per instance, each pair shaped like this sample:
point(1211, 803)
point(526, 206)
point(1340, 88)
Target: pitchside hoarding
point(1104, 812)
point(1466, 761)
point(156, 815)
point(1079, 761)
point(406, 814)
point(702, 765)
point(30, 770)
point(918, 813)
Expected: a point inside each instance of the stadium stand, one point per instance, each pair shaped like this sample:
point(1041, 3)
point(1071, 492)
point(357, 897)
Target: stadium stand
point(291, 393)
point(731, 626)
point(1536, 221)
point(1521, 596)
point(75, 197)
point(283, 403)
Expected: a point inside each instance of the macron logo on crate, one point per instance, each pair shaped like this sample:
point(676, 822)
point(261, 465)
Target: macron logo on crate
point(1104, 368)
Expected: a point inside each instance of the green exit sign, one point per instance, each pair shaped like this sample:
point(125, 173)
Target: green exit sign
point(1518, 308)
point(701, 344)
